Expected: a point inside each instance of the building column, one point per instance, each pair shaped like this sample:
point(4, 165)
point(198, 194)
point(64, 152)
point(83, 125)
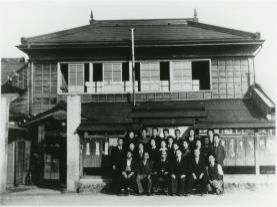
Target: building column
point(257, 152)
point(73, 141)
point(4, 132)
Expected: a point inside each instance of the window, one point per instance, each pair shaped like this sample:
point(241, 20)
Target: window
point(200, 75)
point(64, 78)
point(125, 71)
point(164, 71)
point(97, 72)
point(112, 72)
point(76, 77)
point(150, 71)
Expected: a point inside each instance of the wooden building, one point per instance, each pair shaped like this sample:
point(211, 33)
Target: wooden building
point(187, 74)
point(17, 143)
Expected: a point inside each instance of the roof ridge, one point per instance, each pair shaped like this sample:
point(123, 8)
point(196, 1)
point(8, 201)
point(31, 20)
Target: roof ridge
point(253, 35)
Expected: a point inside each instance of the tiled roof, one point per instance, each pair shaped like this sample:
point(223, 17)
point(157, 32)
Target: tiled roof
point(160, 31)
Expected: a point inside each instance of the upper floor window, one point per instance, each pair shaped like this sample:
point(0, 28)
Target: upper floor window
point(200, 75)
point(150, 76)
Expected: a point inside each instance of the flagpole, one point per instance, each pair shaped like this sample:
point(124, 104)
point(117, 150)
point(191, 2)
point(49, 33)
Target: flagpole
point(133, 64)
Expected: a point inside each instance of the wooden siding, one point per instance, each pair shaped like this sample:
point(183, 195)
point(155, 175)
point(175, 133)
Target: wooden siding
point(230, 78)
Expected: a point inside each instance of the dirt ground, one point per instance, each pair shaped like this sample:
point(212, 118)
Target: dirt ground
point(262, 197)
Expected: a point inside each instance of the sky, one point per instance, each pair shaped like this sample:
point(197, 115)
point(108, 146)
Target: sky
point(25, 18)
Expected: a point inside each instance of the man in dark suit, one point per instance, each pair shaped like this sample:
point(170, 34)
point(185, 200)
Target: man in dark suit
point(218, 150)
point(170, 150)
point(198, 176)
point(144, 173)
point(178, 137)
point(143, 138)
point(160, 174)
point(153, 151)
point(117, 155)
point(156, 136)
point(178, 173)
point(207, 149)
point(127, 180)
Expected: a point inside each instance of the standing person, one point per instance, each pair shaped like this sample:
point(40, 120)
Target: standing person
point(144, 171)
point(163, 146)
point(140, 152)
point(197, 171)
point(160, 174)
point(191, 140)
point(210, 135)
point(178, 174)
point(143, 138)
point(178, 137)
point(207, 149)
point(130, 138)
point(127, 180)
point(153, 151)
point(218, 150)
point(117, 155)
point(170, 150)
point(166, 134)
point(185, 150)
point(156, 136)
point(132, 149)
point(215, 177)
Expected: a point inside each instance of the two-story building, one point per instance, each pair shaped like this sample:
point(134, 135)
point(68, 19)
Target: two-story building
point(187, 74)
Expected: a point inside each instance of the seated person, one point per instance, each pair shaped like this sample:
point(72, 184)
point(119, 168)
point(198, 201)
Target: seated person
point(197, 173)
point(144, 172)
point(127, 179)
point(160, 174)
point(178, 173)
point(214, 176)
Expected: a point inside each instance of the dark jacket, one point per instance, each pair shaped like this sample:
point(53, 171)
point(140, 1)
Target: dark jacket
point(179, 168)
point(145, 169)
point(170, 154)
point(116, 157)
point(128, 141)
point(206, 151)
point(139, 156)
point(161, 167)
point(219, 154)
point(197, 168)
point(154, 154)
point(133, 166)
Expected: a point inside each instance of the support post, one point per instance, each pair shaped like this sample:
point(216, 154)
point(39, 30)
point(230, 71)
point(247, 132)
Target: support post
point(257, 152)
point(73, 141)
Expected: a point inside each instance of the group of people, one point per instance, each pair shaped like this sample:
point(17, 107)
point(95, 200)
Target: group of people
point(179, 165)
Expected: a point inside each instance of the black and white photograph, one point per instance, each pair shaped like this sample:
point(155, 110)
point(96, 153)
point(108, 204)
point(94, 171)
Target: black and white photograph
point(138, 103)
